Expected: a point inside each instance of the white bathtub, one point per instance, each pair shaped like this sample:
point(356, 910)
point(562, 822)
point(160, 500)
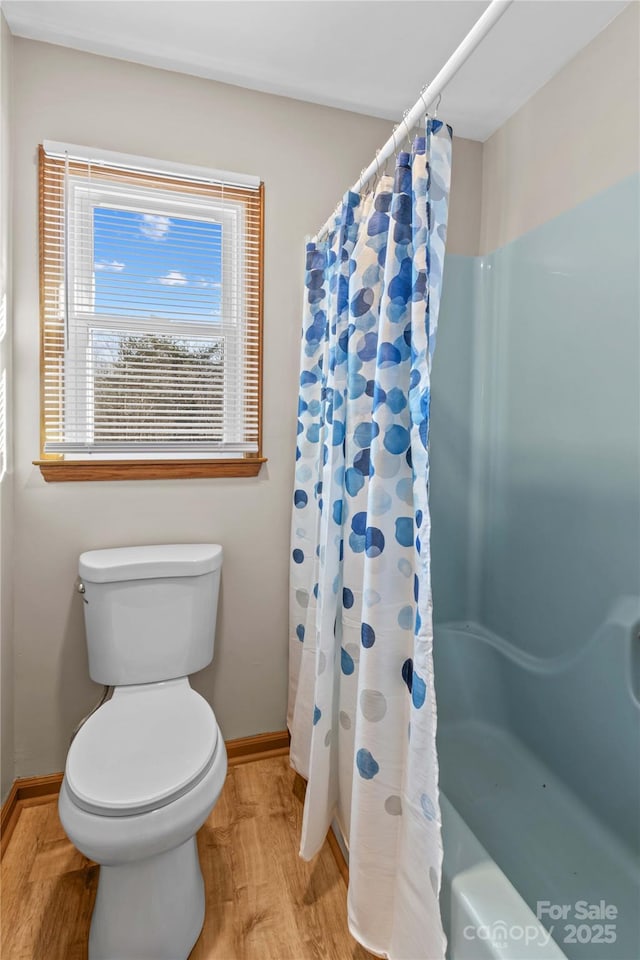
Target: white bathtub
point(484, 916)
point(539, 771)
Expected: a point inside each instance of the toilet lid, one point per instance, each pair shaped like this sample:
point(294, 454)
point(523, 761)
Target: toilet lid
point(142, 749)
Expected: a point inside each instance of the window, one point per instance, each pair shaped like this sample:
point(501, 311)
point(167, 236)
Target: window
point(151, 278)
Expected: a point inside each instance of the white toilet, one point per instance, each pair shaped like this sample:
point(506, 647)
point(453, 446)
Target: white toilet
point(146, 769)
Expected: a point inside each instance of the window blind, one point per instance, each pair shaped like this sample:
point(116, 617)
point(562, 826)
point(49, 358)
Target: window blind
point(151, 308)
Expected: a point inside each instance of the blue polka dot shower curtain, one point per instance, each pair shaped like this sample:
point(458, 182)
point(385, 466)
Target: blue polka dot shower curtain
point(362, 711)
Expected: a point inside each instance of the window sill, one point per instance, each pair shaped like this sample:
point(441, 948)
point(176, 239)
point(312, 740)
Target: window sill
point(56, 471)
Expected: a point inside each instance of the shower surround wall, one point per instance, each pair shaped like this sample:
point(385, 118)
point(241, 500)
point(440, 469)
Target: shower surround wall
point(536, 466)
point(535, 486)
point(519, 322)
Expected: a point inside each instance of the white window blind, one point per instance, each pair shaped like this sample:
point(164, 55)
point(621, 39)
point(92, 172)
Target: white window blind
point(151, 308)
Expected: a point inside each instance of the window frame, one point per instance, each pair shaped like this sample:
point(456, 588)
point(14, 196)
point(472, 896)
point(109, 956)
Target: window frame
point(173, 192)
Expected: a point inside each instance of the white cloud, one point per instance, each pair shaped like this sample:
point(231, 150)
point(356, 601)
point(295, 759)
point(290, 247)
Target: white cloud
point(109, 266)
point(208, 283)
point(173, 279)
point(154, 226)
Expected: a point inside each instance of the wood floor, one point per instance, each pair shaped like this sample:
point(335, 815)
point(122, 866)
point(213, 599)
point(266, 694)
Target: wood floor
point(263, 901)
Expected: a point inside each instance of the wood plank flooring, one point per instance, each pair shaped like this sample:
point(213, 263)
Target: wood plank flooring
point(263, 901)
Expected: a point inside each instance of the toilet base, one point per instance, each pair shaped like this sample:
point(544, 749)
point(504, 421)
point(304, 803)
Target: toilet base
point(149, 909)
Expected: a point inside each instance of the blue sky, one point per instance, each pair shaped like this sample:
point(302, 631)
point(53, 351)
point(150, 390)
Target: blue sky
point(154, 265)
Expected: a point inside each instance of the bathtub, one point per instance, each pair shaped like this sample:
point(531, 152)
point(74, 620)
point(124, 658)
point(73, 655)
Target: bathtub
point(484, 916)
point(540, 794)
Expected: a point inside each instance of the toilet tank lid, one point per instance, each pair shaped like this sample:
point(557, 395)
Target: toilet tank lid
point(146, 563)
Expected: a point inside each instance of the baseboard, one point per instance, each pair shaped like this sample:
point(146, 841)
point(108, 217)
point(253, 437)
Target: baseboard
point(338, 855)
point(29, 791)
point(8, 817)
point(26, 792)
point(260, 747)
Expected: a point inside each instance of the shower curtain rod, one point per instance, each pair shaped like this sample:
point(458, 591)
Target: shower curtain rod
point(429, 94)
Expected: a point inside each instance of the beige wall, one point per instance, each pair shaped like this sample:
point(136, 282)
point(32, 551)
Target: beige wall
point(307, 155)
point(6, 486)
point(463, 231)
point(577, 136)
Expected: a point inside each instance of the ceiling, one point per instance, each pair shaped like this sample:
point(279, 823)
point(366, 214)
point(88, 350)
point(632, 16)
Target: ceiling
point(370, 56)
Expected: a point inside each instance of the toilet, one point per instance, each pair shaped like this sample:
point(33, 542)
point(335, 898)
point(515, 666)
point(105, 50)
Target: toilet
point(147, 767)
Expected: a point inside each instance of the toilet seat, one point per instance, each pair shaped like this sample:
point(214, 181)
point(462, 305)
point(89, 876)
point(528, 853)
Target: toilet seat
point(144, 748)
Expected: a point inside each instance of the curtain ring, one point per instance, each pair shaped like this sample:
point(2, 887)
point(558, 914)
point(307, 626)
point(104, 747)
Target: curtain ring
point(366, 185)
point(406, 126)
point(377, 173)
point(435, 111)
point(395, 146)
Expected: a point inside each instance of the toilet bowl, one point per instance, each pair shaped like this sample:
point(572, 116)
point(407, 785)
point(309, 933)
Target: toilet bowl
point(146, 769)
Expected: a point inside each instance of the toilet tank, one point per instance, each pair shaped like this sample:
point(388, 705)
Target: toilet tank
point(150, 612)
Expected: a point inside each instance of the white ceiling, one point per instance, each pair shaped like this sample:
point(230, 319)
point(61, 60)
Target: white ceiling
point(370, 56)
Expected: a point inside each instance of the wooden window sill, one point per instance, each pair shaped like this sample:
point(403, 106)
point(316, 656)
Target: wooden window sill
point(55, 471)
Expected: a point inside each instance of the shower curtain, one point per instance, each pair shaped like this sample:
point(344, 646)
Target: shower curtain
point(362, 712)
